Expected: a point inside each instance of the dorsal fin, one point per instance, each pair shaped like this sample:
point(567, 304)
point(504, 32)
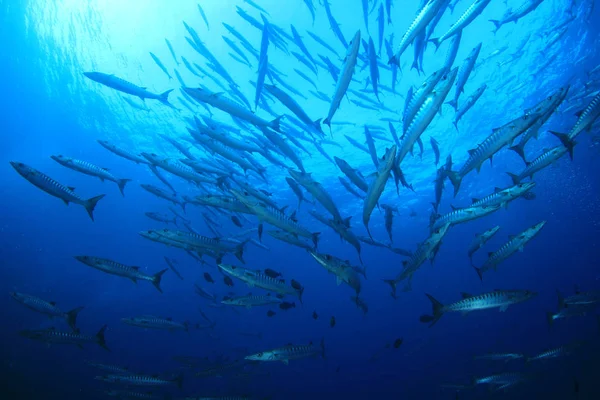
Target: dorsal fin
point(169, 319)
point(71, 188)
point(282, 209)
point(453, 207)
point(511, 237)
point(136, 268)
point(465, 295)
point(52, 303)
point(578, 113)
point(404, 263)
point(105, 169)
point(293, 216)
point(490, 253)
point(471, 151)
point(497, 189)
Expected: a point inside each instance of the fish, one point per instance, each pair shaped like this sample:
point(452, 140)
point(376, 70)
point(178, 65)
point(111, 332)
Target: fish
point(250, 301)
point(462, 215)
point(48, 308)
point(65, 193)
point(208, 278)
point(317, 191)
point(53, 336)
point(377, 185)
point(270, 313)
point(284, 305)
point(227, 281)
point(124, 86)
point(138, 159)
point(263, 61)
point(335, 27)
point(90, 169)
point(160, 65)
point(500, 299)
point(373, 68)
point(389, 219)
point(398, 343)
point(172, 197)
point(295, 108)
point(345, 77)
point(464, 72)
point(289, 352)
point(152, 322)
point(514, 244)
point(513, 15)
point(115, 369)
point(465, 19)
point(556, 352)
point(272, 273)
point(332, 322)
point(481, 239)
point(142, 380)
point(436, 149)
point(171, 51)
point(203, 15)
point(360, 303)
point(315, 315)
point(224, 104)
point(549, 157)
point(470, 102)
point(503, 197)
point(114, 268)
point(258, 279)
point(343, 271)
point(500, 356)
point(311, 8)
point(171, 263)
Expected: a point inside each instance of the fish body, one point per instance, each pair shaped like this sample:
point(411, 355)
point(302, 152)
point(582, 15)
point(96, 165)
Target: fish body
point(152, 322)
point(481, 239)
point(48, 308)
point(343, 271)
point(377, 185)
point(500, 356)
point(219, 101)
point(250, 301)
point(345, 77)
point(54, 188)
point(90, 169)
point(289, 352)
point(465, 19)
point(160, 65)
point(547, 158)
point(464, 72)
point(470, 102)
point(260, 280)
point(53, 336)
point(125, 271)
point(290, 238)
point(500, 299)
point(124, 86)
point(158, 192)
point(138, 159)
point(502, 197)
point(515, 243)
point(294, 107)
point(141, 380)
point(171, 51)
point(516, 14)
point(462, 215)
point(317, 191)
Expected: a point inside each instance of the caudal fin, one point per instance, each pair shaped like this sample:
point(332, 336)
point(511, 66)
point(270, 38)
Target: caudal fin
point(436, 42)
point(275, 124)
point(72, 317)
point(497, 25)
point(179, 381)
point(122, 183)
point(392, 284)
point(164, 98)
point(566, 141)
point(315, 238)
point(90, 204)
point(455, 179)
point(479, 273)
point(157, 277)
point(317, 125)
point(519, 149)
point(437, 309)
point(550, 319)
point(100, 338)
point(239, 251)
point(453, 103)
point(515, 178)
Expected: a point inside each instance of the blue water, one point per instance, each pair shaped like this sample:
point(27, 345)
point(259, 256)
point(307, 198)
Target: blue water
point(49, 107)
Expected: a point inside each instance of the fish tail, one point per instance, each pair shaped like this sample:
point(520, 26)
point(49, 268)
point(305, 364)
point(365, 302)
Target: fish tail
point(453, 103)
point(315, 238)
point(437, 309)
point(72, 317)
point(275, 124)
point(392, 283)
point(179, 381)
point(318, 126)
point(323, 347)
point(566, 141)
point(455, 179)
point(122, 183)
point(183, 205)
point(90, 204)
point(157, 277)
point(300, 293)
point(239, 251)
point(455, 123)
point(550, 319)
point(100, 338)
point(394, 61)
point(436, 42)
point(479, 273)
point(497, 25)
point(519, 149)
point(514, 177)
point(164, 98)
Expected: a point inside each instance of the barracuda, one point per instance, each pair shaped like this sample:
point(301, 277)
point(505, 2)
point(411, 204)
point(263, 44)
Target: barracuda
point(516, 243)
point(377, 185)
point(462, 215)
point(213, 245)
point(343, 271)
point(502, 197)
point(289, 238)
point(90, 169)
point(544, 160)
point(125, 271)
point(172, 197)
point(127, 87)
point(48, 308)
point(463, 74)
point(65, 193)
point(586, 120)
point(275, 217)
point(141, 380)
point(250, 301)
point(52, 336)
point(152, 322)
point(481, 239)
point(257, 279)
point(416, 97)
point(465, 19)
point(317, 191)
point(224, 202)
point(289, 352)
point(501, 299)
point(122, 152)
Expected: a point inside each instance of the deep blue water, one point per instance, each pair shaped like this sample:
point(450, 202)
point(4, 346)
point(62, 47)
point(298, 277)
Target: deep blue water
point(49, 108)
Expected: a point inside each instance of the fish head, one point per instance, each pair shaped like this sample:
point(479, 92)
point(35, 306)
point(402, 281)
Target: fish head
point(537, 227)
point(17, 295)
point(60, 159)
point(525, 187)
point(262, 356)
point(95, 76)
point(85, 259)
point(21, 168)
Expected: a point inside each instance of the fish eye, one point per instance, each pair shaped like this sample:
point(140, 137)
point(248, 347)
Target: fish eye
point(260, 354)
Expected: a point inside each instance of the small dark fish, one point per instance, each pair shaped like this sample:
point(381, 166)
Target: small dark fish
point(228, 281)
point(260, 231)
point(270, 313)
point(332, 322)
point(296, 285)
point(236, 221)
point(315, 315)
point(398, 342)
point(272, 273)
point(208, 278)
point(286, 306)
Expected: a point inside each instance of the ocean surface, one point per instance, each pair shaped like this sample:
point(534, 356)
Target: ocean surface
point(388, 351)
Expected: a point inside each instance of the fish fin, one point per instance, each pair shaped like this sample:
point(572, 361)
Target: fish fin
point(503, 308)
point(338, 280)
point(515, 178)
point(566, 141)
point(90, 205)
point(71, 317)
point(437, 309)
point(100, 338)
point(286, 362)
point(474, 199)
point(156, 278)
point(465, 295)
point(122, 183)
